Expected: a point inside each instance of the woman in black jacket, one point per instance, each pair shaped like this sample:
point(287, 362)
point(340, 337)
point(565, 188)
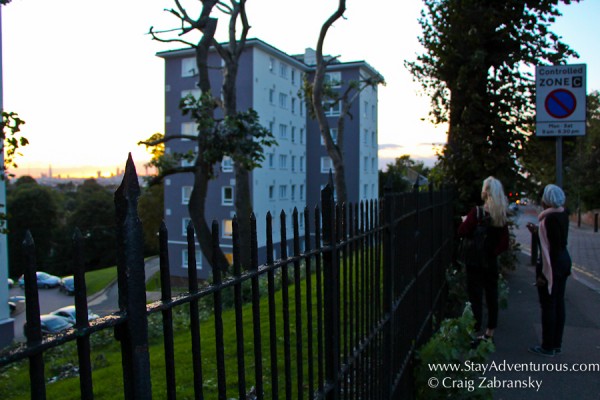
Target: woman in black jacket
point(553, 270)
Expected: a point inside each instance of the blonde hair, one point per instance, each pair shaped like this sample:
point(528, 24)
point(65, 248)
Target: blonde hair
point(495, 200)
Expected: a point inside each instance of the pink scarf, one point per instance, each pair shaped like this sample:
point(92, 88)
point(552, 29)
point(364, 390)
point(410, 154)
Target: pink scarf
point(546, 264)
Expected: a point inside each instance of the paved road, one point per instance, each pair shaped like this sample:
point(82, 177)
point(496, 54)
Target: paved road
point(102, 303)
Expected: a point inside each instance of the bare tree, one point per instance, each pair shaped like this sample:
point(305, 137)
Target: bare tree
point(318, 92)
point(238, 135)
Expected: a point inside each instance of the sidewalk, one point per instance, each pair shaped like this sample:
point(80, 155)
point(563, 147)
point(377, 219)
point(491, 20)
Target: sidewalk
point(520, 327)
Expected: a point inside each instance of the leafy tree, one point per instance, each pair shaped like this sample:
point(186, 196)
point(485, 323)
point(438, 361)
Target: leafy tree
point(581, 161)
point(94, 216)
point(31, 207)
point(318, 92)
point(238, 135)
point(476, 68)
point(397, 175)
point(150, 210)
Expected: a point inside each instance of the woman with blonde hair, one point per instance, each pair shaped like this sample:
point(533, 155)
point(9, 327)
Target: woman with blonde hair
point(482, 274)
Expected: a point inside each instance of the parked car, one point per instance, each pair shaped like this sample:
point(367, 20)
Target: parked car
point(44, 280)
point(11, 283)
point(68, 313)
point(16, 303)
point(51, 324)
point(67, 285)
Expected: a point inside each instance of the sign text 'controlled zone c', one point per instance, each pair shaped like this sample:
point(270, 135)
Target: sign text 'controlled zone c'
point(560, 100)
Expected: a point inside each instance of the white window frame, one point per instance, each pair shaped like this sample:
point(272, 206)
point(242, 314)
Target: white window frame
point(334, 135)
point(227, 199)
point(283, 70)
point(283, 161)
point(227, 228)
point(334, 77)
point(184, 223)
point(283, 192)
point(282, 131)
point(189, 67)
point(184, 259)
point(186, 193)
point(283, 102)
point(332, 110)
point(326, 164)
point(227, 164)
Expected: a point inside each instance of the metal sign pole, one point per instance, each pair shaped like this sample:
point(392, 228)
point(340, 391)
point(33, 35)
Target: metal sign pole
point(559, 162)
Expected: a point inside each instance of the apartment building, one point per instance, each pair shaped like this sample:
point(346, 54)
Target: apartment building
point(294, 171)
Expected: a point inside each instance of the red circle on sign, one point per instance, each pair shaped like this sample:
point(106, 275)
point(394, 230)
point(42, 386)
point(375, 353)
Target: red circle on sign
point(560, 103)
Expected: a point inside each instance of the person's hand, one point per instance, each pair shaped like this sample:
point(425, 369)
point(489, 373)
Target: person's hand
point(463, 217)
point(532, 227)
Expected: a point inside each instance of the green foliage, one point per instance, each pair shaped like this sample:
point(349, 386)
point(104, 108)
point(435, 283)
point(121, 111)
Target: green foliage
point(10, 126)
point(150, 210)
point(581, 161)
point(35, 208)
point(397, 174)
point(451, 345)
point(476, 70)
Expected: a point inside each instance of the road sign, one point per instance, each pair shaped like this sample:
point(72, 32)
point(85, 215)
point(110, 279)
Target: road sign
point(561, 100)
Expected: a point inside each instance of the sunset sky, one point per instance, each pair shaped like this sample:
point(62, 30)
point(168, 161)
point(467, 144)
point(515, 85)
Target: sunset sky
point(85, 77)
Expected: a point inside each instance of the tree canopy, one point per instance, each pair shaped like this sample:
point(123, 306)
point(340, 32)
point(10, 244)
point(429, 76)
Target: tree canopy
point(477, 69)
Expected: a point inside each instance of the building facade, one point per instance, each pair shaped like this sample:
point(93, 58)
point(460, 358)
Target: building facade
point(294, 170)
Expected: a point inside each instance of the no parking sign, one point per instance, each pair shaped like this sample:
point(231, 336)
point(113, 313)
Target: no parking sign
point(560, 100)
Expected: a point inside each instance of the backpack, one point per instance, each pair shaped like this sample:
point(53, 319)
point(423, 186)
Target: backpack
point(474, 250)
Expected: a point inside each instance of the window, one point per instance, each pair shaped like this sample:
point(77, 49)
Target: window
point(366, 137)
point(293, 163)
point(283, 70)
point(333, 78)
point(271, 160)
point(366, 191)
point(283, 161)
point(373, 165)
point(293, 134)
point(189, 129)
point(366, 109)
point(365, 164)
point(332, 109)
point(373, 113)
point(186, 192)
point(293, 193)
point(196, 93)
point(293, 76)
point(301, 192)
point(282, 131)
point(373, 139)
point(184, 224)
point(283, 100)
point(334, 134)
point(227, 164)
point(301, 135)
point(272, 127)
point(184, 259)
point(301, 163)
point(227, 229)
point(271, 64)
point(227, 195)
point(271, 96)
point(282, 192)
point(293, 105)
point(271, 192)
point(326, 165)
point(189, 67)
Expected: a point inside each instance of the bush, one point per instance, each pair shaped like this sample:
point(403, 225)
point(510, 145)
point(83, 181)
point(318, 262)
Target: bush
point(451, 346)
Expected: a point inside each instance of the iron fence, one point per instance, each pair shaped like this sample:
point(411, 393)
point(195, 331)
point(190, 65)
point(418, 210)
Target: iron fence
point(340, 319)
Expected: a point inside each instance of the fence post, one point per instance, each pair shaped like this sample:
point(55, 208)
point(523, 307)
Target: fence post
point(133, 334)
point(389, 254)
point(331, 294)
point(596, 222)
